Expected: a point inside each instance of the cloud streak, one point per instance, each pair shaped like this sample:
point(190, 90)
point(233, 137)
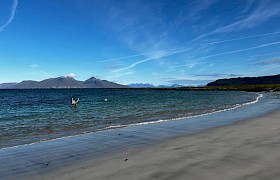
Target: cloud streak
point(71, 75)
point(145, 39)
point(33, 65)
point(242, 38)
point(235, 51)
point(180, 51)
point(242, 50)
point(157, 55)
point(164, 53)
point(125, 57)
point(12, 15)
point(260, 15)
point(197, 7)
point(189, 82)
point(39, 73)
point(216, 75)
point(270, 62)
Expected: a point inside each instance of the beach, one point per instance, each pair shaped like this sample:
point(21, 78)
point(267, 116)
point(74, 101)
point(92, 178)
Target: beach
point(140, 90)
point(247, 149)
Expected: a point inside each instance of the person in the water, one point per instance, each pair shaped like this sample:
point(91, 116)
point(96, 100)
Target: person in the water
point(73, 102)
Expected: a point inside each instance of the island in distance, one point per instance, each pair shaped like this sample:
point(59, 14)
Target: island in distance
point(62, 82)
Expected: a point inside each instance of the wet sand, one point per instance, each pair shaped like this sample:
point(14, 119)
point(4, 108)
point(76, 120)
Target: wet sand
point(245, 150)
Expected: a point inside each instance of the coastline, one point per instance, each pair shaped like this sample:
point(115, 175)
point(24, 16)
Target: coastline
point(194, 148)
point(245, 150)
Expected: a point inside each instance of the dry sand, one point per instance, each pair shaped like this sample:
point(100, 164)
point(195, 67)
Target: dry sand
point(245, 150)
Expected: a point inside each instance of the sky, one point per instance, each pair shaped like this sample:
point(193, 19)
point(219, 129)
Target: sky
point(161, 42)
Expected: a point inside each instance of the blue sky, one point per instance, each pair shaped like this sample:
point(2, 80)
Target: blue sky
point(140, 41)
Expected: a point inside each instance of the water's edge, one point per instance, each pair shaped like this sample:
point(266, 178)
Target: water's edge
point(264, 103)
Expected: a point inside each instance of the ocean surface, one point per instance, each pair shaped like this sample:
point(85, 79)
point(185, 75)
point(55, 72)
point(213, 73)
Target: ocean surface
point(28, 116)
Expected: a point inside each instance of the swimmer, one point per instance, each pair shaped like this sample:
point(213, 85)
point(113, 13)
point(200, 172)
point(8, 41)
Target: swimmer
point(73, 102)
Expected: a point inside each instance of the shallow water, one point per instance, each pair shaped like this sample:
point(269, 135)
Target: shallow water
point(28, 116)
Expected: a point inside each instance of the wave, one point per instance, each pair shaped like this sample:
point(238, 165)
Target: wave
point(186, 117)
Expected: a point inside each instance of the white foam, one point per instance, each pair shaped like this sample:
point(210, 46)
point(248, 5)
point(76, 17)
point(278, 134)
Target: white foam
point(187, 117)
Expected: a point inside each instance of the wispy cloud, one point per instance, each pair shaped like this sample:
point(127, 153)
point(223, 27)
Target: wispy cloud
point(42, 74)
point(126, 57)
point(197, 7)
point(71, 75)
point(195, 61)
point(119, 74)
point(235, 75)
point(142, 27)
point(148, 54)
point(257, 57)
point(210, 75)
point(151, 36)
point(248, 6)
point(245, 37)
point(12, 15)
point(263, 13)
point(242, 50)
point(270, 62)
point(216, 75)
point(189, 82)
point(156, 55)
point(47, 75)
point(192, 63)
point(115, 65)
point(198, 79)
point(33, 65)
point(235, 51)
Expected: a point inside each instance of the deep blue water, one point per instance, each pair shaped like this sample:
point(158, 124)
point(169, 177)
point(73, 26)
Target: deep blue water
point(32, 115)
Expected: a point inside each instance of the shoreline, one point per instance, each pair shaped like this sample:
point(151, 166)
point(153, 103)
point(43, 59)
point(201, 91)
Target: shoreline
point(169, 150)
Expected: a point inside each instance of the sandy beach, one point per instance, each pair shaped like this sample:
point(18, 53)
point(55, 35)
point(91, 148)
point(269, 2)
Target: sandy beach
point(245, 150)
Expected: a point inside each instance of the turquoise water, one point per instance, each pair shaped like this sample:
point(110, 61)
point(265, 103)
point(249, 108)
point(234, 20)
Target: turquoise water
point(28, 116)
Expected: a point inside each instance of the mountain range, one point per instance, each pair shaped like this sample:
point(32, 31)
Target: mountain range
point(70, 82)
point(274, 79)
point(62, 82)
point(6, 85)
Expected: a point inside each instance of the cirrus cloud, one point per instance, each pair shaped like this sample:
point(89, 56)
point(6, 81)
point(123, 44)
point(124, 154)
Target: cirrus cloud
point(270, 62)
point(71, 75)
point(12, 15)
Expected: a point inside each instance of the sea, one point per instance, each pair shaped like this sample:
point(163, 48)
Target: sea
point(35, 115)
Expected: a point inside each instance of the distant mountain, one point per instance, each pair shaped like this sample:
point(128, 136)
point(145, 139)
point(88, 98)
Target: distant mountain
point(171, 86)
point(97, 83)
point(141, 85)
point(62, 82)
point(24, 85)
point(247, 81)
point(7, 85)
